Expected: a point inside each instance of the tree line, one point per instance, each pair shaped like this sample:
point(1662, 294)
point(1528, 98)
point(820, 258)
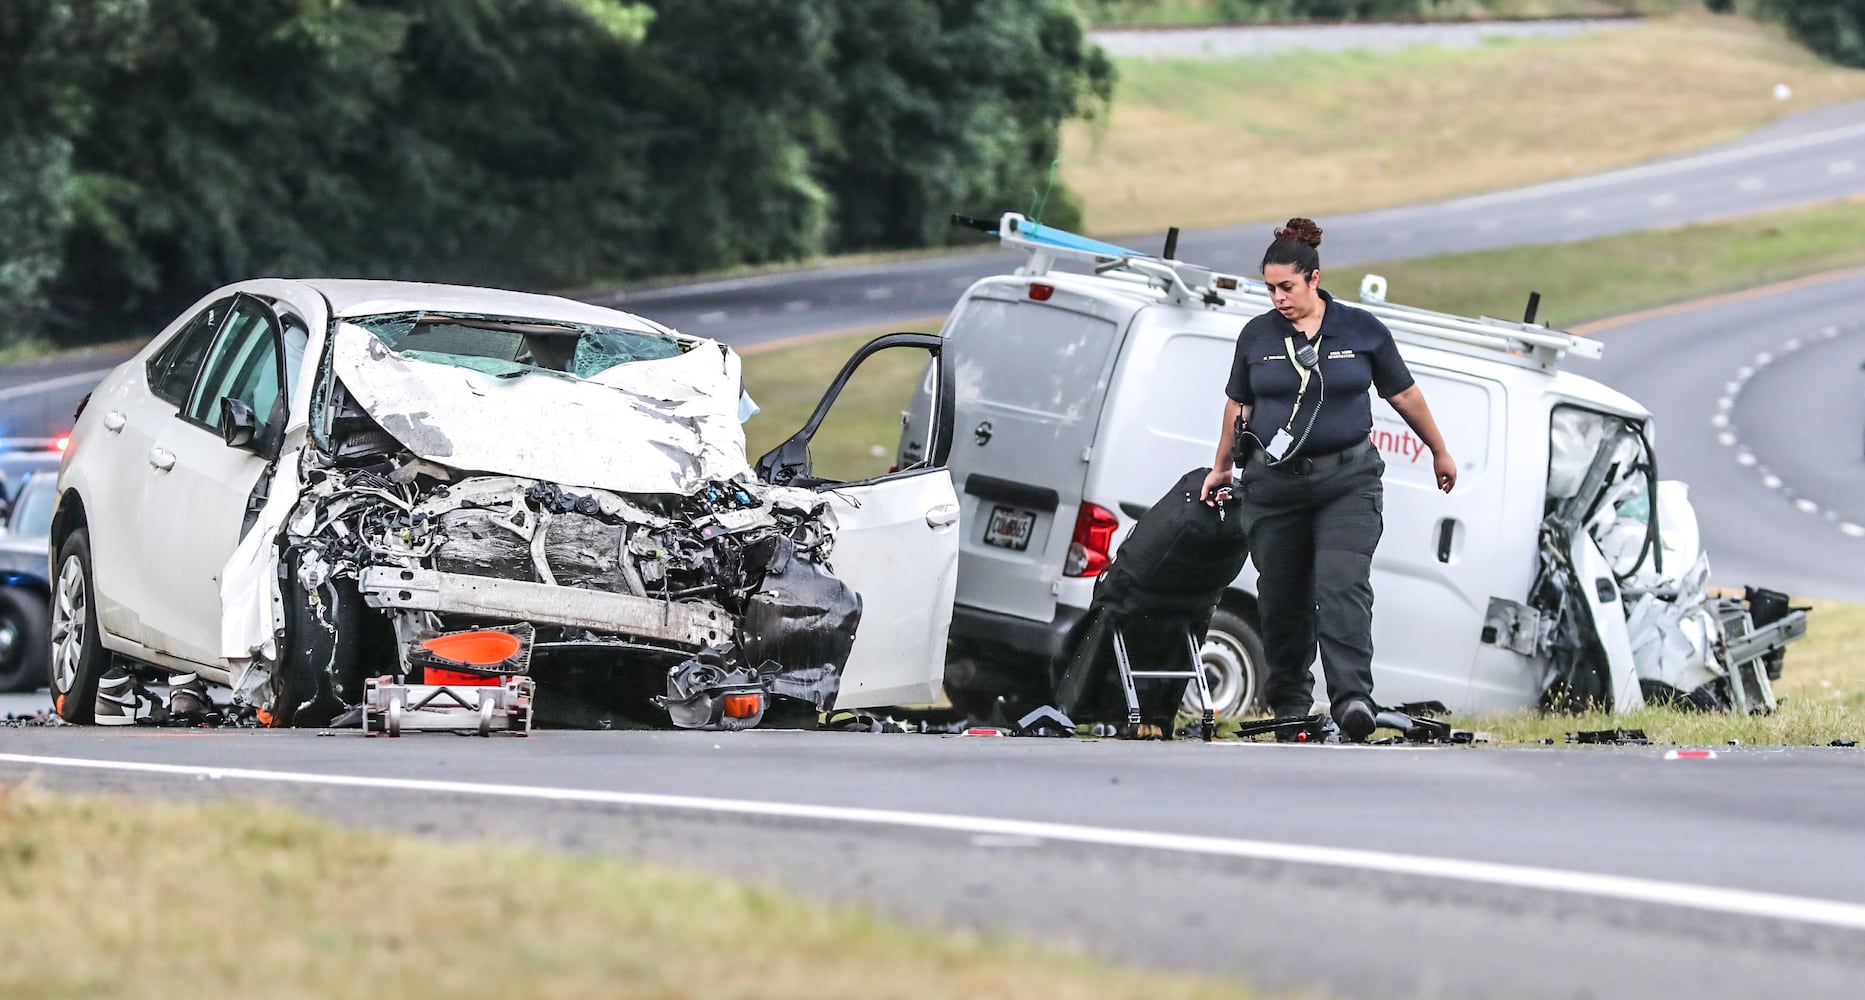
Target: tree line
point(153, 149)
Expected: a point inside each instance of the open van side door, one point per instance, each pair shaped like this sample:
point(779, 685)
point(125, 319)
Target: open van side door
point(897, 525)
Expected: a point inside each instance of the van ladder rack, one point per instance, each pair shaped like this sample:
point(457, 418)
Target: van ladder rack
point(1193, 285)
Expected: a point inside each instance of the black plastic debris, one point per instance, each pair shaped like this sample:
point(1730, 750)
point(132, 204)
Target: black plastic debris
point(1045, 721)
point(1615, 737)
point(1843, 743)
point(799, 627)
point(848, 720)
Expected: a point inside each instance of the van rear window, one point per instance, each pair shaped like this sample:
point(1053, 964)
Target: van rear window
point(1031, 357)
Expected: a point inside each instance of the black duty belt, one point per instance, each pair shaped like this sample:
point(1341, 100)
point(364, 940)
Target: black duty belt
point(1303, 465)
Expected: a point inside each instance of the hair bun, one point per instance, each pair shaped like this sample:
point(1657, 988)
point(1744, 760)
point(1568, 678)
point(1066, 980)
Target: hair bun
point(1301, 229)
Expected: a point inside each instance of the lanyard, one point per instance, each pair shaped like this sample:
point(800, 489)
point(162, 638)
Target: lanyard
point(1301, 373)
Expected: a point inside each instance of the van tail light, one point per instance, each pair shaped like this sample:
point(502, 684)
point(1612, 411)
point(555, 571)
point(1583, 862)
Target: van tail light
point(1041, 292)
point(1092, 547)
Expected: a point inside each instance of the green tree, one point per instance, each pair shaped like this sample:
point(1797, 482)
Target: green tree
point(44, 105)
point(1833, 28)
point(953, 105)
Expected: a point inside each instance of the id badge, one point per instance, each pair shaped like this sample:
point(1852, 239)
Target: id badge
point(1279, 444)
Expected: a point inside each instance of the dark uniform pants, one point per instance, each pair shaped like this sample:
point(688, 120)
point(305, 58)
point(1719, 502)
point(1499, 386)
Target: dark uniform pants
point(1313, 528)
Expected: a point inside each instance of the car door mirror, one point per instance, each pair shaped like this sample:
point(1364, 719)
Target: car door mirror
point(239, 425)
point(853, 447)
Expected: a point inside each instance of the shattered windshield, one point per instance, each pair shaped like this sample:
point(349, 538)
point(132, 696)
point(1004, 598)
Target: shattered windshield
point(508, 347)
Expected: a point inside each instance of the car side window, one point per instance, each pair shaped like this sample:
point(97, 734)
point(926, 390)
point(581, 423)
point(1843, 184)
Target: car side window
point(243, 364)
point(171, 370)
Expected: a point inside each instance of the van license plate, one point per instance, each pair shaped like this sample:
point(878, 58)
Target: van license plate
point(1010, 528)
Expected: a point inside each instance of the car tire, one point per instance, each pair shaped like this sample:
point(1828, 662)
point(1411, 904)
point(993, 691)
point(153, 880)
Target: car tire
point(78, 659)
point(1232, 656)
point(25, 624)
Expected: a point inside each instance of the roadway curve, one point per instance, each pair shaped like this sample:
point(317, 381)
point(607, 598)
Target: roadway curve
point(1760, 406)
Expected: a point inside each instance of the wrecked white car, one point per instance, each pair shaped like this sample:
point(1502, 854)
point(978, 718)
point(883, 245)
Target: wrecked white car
point(299, 483)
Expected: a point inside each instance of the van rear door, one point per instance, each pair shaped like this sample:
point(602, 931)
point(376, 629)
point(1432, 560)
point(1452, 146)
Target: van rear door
point(1031, 377)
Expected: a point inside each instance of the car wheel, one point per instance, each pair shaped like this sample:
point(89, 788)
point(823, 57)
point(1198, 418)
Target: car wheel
point(24, 647)
point(1232, 657)
point(78, 656)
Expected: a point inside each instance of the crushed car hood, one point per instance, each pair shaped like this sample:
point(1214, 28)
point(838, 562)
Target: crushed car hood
point(664, 426)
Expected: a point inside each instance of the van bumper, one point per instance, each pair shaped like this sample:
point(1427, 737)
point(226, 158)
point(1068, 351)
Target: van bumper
point(1045, 639)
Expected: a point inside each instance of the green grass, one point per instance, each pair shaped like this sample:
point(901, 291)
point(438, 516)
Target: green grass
point(112, 897)
point(1616, 274)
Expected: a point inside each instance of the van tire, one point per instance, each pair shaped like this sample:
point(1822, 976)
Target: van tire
point(1232, 656)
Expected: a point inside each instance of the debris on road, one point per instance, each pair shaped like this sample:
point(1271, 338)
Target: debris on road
point(1615, 737)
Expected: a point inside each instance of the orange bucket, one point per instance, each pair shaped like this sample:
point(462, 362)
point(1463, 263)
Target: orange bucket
point(488, 648)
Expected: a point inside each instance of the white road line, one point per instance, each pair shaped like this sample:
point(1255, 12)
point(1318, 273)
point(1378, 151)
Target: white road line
point(1489, 225)
point(1661, 200)
point(1736, 902)
point(1771, 481)
point(1743, 457)
point(877, 294)
point(34, 388)
point(1807, 506)
point(1841, 167)
point(796, 306)
point(1855, 530)
point(1667, 167)
point(1727, 440)
point(711, 317)
point(1764, 359)
point(1576, 214)
point(1751, 184)
point(1719, 421)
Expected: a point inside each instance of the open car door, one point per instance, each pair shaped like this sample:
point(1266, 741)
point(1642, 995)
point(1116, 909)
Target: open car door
point(897, 537)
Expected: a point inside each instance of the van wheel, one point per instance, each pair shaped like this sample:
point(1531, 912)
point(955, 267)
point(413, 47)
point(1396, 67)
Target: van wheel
point(1232, 657)
point(79, 659)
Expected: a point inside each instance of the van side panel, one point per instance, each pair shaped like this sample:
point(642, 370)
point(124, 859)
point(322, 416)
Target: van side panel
point(1438, 561)
point(1031, 379)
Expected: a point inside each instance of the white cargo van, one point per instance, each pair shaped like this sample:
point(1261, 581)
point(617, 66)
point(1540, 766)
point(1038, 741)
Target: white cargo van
point(1548, 577)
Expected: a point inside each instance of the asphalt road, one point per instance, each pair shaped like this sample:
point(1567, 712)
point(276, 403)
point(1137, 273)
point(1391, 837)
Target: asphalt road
point(1759, 401)
point(1356, 872)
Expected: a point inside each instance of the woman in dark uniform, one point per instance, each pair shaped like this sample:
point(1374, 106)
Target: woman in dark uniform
point(1299, 425)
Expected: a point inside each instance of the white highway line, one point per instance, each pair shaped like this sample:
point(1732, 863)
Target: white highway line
point(1662, 200)
point(1736, 902)
point(1751, 184)
point(1720, 420)
point(1667, 167)
point(35, 388)
point(1841, 167)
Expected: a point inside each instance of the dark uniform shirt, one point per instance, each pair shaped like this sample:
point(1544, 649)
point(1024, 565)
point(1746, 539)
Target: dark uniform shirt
point(1356, 353)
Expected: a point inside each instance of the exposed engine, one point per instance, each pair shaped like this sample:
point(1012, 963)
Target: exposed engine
point(722, 593)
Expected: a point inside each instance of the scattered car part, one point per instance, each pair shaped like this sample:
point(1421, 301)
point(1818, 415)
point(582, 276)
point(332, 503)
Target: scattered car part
point(1617, 737)
point(392, 708)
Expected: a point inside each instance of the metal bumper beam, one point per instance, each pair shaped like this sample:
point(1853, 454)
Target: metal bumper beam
point(693, 624)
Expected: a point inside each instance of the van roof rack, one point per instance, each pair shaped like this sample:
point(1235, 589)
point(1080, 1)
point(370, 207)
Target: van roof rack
point(1188, 284)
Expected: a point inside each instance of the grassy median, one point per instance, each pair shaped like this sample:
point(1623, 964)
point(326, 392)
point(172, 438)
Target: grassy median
point(1195, 142)
point(112, 897)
